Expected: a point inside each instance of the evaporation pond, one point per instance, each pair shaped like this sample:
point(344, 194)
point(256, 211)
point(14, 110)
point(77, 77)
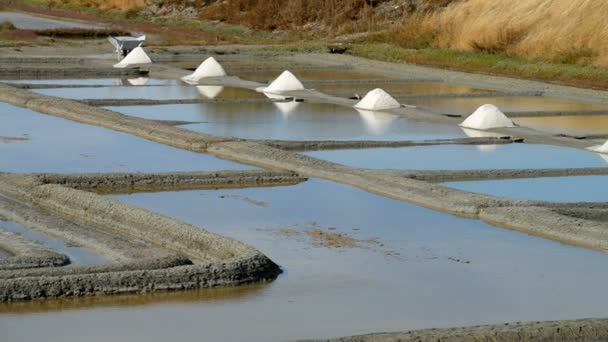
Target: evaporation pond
point(395, 88)
point(464, 157)
point(34, 142)
point(466, 106)
point(84, 82)
point(555, 189)
point(170, 92)
point(574, 124)
point(78, 255)
point(393, 266)
point(307, 75)
point(293, 121)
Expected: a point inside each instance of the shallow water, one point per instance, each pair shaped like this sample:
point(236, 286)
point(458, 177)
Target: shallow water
point(400, 88)
point(464, 157)
point(304, 75)
point(465, 106)
point(3, 254)
point(555, 189)
point(171, 92)
point(29, 22)
point(133, 81)
point(57, 145)
point(77, 255)
point(568, 124)
point(449, 271)
point(293, 121)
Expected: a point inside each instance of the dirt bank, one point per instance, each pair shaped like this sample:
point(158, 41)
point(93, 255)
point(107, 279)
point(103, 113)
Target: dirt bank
point(27, 254)
point(139, 182)
point(588, 330)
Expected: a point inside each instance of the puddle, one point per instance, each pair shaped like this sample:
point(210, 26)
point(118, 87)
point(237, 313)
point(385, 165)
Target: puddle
point(554, 189)
point(464, 157)
point(78, 255)
point(567, 124)
point(421, 88)
point(29, 22)
point(303, 75)
point(466, 106)
point(449, 271)
point(136, 81)
point(294, 121)
point(173, 92)
point(59, 145)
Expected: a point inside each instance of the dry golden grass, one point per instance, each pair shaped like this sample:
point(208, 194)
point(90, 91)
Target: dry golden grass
point(122, 5)
point(569, 31)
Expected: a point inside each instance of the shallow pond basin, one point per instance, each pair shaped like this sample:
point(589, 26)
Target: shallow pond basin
point(575, 124)
point(134, 81)
point(294, 121)
point(554, 189)
point(408, 268)
point(78, 255)
point(170, 92)
point(307, 75)
point(464, 157)
point(396, 88)
point(33, 142)
point(466, 106)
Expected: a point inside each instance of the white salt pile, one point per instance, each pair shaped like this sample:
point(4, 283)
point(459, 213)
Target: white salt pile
point(377, 99)
point(376, 122)
point(137, 56)
point(210, 92)
point(285, 82)
point(209, 68)
point(600, 148)
point(487, 117)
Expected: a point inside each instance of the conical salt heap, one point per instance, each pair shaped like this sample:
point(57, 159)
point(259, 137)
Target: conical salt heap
point(487, 117)
point(285, 82)
point(209, 68)
point(600, 148)
point(377, 99)
point(137, 56)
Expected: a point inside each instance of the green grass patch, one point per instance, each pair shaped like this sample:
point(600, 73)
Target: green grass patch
point(590, 76)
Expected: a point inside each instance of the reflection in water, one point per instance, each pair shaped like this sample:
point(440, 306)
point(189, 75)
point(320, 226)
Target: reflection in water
point(555, 189)
point(209, 92)
point(59, 145)
point(376, 122)
point(466, 106)
point(397, 88)
point(463, 157)
point(200, 297)
point(578, 124)
point(307, 121)
point(140, 81)
point(475, 133)
point(285, 108)
point(603, 156)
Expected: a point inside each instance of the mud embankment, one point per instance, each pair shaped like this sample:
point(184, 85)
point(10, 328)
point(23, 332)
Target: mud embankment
point(27, 254)
point(181, 256)
point(584, 330)
point(146, 182)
